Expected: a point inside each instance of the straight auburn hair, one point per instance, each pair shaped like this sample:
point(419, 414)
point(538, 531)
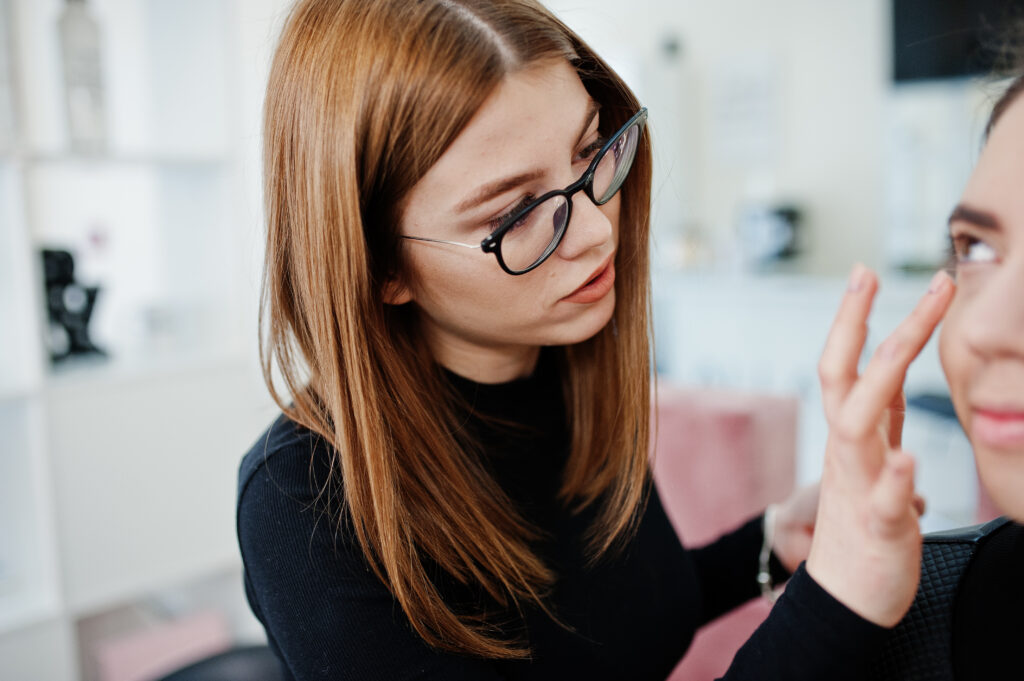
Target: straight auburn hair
point(363, 98)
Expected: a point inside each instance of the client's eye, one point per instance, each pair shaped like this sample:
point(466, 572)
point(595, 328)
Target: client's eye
point(970, 250)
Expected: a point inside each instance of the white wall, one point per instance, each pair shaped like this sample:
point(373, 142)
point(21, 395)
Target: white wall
point(822, 69)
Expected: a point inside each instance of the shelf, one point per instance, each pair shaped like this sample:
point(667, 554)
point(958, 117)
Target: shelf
point(157, 159)
point(90, 372)
point(118, 159)
point(118, 475)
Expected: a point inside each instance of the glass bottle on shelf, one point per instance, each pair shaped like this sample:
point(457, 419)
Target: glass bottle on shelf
point(83, 78)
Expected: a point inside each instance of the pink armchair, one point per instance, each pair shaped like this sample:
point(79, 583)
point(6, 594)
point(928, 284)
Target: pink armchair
point(719, 458)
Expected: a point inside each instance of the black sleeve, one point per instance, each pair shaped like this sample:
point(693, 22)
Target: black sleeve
point(727, 569)
point(808, 635)
point(325, 612)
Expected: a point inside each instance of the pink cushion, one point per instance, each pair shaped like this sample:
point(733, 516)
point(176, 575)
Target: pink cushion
point(720, 457)
point(163, 648)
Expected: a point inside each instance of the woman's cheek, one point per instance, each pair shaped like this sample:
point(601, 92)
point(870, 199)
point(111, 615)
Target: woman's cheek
point(953, 354)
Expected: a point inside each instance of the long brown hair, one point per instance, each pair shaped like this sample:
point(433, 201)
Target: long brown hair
point(364, 96)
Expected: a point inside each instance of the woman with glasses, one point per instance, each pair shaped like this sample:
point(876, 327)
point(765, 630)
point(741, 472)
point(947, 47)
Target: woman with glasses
point(456, 329)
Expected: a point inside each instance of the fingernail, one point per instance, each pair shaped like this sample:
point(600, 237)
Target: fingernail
point(856, 282)
point(939, 282)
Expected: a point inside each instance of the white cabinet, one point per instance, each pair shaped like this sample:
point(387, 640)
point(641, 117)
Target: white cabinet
point(117, 474)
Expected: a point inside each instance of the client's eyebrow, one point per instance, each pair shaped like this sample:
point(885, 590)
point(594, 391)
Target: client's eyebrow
point(498, 187)
point(974, 216)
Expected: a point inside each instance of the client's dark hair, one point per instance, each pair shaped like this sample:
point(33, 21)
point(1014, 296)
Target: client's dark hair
point(1010, 63)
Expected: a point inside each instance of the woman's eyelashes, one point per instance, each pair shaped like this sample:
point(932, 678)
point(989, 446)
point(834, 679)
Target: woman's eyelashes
point(967, 249)
point(588, 152)
point(499, 220)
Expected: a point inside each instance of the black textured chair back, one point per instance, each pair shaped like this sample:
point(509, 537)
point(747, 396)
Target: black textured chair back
point(920, 648)
point(250, 663)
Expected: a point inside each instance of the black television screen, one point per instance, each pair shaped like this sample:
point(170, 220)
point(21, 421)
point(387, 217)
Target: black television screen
point(948, 38)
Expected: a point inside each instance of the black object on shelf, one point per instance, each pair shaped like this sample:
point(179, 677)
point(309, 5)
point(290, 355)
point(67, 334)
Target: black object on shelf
point(948, 39)
point(69, 306)
point(248, 663)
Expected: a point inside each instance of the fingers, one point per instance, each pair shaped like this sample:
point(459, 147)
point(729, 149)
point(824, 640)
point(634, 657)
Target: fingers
point(879, 385)
point(837, 369)
point(893, 496)
point(920, 505)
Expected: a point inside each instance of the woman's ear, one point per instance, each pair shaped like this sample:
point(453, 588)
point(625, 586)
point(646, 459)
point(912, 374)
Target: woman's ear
point(396, 292)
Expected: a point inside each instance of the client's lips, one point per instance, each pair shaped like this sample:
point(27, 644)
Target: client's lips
point(998, 427)
point(596, 286)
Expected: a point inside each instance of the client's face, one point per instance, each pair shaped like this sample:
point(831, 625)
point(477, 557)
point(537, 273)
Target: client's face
point(982, 340)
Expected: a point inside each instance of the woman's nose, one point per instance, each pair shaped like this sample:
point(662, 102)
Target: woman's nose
point(588, 227)
point(995, 323)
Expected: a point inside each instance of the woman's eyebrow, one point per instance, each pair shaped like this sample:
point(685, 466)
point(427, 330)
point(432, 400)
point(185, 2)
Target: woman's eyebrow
point(974, 216)
point(498, 187)
point(588, 119)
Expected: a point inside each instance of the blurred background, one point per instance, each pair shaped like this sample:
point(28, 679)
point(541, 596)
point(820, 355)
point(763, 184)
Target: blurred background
point(792, 139)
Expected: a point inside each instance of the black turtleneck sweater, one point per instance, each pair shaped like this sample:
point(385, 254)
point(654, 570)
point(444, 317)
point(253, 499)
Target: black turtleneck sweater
point(631, 617)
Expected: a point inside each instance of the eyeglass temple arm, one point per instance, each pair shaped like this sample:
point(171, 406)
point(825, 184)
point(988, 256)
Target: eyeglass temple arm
point(441, 241)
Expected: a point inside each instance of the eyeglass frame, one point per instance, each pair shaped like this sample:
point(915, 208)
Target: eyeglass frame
point(492, 242)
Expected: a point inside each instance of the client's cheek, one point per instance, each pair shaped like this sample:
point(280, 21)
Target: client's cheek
point(954, 357)
point(948, 346)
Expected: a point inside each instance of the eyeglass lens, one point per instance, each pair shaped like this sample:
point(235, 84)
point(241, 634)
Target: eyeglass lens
point(536, 233)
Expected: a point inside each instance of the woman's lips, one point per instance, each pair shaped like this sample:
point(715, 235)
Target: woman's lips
point(998, 428)
point(596, 288)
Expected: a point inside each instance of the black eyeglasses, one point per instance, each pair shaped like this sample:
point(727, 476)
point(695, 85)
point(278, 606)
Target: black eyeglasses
point(528, 237)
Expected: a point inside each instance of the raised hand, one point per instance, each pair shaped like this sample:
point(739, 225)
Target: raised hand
point(794, 526)
point(866, 549)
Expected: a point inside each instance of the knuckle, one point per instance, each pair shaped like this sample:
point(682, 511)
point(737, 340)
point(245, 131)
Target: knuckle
point(891, 348)
point(887, 515)
point(830, 375)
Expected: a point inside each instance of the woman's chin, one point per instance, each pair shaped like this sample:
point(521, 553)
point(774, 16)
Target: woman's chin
point(588, 323)
point(1002, 474)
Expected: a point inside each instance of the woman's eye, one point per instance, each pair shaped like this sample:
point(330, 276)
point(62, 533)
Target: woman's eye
point(588, 151)
point(497, 221)
point(969, 250)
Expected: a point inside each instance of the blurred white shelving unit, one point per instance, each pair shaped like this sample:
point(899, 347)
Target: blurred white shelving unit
point(117, 475)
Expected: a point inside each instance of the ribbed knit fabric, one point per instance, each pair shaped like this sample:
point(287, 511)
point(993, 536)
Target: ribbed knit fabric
point(632, 618)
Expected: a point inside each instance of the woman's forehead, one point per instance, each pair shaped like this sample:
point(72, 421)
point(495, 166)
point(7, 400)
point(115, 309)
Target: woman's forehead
point(531, 118)
point(532, 105)
point(995, 184)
